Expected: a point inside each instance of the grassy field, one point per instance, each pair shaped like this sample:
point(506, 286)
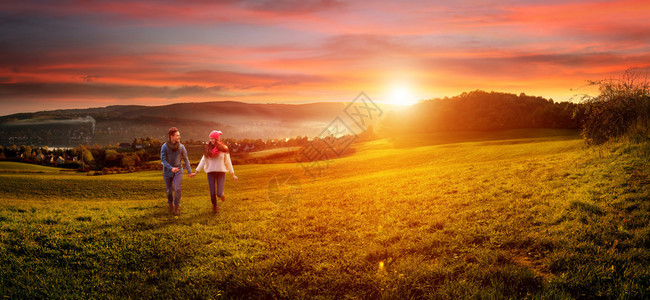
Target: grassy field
point(269, 152)
point(17, 167)
point(532, 217)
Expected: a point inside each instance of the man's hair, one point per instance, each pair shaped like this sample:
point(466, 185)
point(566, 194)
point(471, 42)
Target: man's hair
point(172, 131)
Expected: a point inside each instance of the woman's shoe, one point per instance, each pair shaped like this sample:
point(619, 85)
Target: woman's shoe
point(223, 198)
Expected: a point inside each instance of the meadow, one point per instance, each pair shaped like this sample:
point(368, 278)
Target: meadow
point(16, 167)
point(540, 216)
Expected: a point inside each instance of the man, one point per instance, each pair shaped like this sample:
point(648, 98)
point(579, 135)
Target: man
point(171, 154)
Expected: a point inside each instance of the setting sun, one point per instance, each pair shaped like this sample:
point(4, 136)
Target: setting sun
point(401, 94)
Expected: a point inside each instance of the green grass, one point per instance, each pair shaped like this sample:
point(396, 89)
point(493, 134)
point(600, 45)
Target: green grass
point(424, 139)
point(533, 217)
point(16, 167)
point(269, 152)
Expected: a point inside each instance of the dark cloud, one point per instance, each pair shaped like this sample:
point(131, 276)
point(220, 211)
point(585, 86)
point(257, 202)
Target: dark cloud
point(624, 35)
point(294, 6)
point(74, 90)
point(364, 46)
point(252, 80)
point(90, 78)
point(547, 65)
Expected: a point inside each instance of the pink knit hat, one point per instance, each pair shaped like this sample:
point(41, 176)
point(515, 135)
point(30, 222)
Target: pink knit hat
point(216, 134)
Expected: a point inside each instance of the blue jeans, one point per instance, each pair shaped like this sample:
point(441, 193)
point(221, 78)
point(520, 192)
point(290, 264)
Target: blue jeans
point(174, 187)
point(219, 178)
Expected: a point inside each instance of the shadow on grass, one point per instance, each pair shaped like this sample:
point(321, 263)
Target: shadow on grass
point(157, 216)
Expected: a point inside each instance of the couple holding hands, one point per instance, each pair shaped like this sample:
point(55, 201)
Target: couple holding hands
point(215, 162)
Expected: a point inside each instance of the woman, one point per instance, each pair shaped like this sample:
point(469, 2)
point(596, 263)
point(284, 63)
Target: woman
point(216, 162)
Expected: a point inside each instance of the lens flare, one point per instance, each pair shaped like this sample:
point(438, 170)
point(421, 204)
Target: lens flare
point(401, 94)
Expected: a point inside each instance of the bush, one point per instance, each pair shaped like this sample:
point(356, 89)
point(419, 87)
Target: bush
point(621, 109)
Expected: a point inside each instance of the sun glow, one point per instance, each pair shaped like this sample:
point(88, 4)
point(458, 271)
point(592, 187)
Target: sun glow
point(401, 94)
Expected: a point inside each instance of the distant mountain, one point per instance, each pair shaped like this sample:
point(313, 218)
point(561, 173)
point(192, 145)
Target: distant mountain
point(123, 123)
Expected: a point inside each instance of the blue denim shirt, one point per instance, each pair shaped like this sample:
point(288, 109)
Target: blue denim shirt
point(171, 159)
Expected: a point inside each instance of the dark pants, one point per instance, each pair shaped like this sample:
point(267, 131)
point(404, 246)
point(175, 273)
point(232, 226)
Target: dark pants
point(174, 187)
point(218, 178)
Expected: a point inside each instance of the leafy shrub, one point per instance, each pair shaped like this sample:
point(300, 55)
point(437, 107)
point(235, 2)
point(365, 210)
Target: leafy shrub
point(621, 109)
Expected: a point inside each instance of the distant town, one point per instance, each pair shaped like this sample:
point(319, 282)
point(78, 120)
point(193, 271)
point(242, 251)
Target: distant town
point(51, 132)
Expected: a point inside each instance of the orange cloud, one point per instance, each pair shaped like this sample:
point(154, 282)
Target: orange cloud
point(310, 50)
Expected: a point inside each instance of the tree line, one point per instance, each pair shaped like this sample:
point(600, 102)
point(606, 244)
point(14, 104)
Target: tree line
point(141, 154)
point(482, 111)
point(621, 110)
point(108, 159)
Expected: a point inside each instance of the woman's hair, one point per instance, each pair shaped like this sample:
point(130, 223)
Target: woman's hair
point(172, 131)
point(220, 146)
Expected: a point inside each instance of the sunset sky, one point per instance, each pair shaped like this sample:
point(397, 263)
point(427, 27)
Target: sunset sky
point(76, 54)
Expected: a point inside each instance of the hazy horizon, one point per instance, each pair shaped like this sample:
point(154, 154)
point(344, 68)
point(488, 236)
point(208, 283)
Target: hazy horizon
point(196, 102)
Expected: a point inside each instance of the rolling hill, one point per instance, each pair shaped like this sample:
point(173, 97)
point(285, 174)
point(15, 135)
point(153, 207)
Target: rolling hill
point(123, 123)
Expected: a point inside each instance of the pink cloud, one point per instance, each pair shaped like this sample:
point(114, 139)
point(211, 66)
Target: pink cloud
point(339, 47)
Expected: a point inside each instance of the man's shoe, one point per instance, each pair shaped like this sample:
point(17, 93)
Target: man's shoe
point(177, 210)
point(215, 209)
point(171, 208)
point(223, 198)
